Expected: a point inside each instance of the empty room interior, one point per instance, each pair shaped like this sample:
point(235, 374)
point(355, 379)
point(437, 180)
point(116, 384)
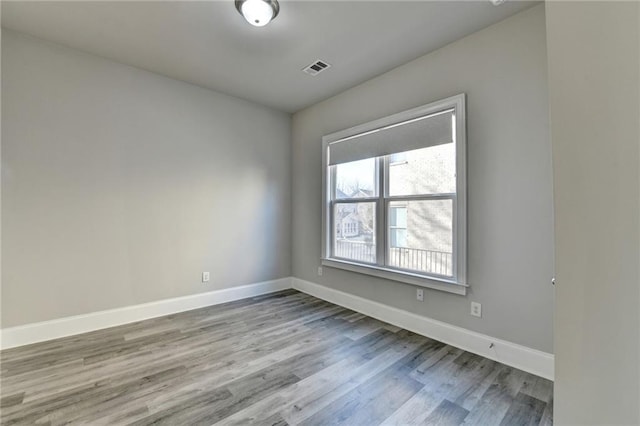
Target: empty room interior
point(261, 212)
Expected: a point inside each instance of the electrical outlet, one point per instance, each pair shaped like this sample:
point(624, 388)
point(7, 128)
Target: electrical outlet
point(319, 271)
point(205, 277)
point(476, 309)
point(420, 294)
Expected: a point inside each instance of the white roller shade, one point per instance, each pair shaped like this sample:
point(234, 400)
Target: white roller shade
point(421, 132)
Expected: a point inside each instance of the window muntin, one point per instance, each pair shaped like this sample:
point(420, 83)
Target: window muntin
point(417, 195)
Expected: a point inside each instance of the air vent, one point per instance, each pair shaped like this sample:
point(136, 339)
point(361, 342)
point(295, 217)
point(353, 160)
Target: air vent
point(316, 68)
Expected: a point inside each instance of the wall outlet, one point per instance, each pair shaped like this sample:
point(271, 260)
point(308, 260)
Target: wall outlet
point(319, 271)
point(476, 309)
point(205, 277)
point(420, 294)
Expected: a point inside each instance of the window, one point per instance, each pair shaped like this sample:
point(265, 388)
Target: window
point(395, 197)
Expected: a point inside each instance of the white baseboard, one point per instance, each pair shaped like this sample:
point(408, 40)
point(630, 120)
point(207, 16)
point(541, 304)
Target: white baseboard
point(518, 356)
point(527, 359)
point(48, 330)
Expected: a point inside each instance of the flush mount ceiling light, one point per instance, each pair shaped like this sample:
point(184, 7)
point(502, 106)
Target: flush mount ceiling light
point(258, 12)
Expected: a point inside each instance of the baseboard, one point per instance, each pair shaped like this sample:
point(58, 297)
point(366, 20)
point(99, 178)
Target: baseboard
point(518, 356)
point(63, 327)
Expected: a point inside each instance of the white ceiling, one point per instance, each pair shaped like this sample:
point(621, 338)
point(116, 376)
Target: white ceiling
point(209, 44)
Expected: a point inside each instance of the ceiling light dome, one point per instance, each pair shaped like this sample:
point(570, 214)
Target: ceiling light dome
point(258, 12)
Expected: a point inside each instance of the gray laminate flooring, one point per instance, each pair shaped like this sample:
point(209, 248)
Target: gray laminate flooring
point(283, 358)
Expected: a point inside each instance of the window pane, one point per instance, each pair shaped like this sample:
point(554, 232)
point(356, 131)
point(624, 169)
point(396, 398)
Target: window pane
point(398, 238)
point(429, 170)
point(398, 226)
point(398, 216)
point(354, 236)
point(427, 233)
point(399, 158)
point(356, 179)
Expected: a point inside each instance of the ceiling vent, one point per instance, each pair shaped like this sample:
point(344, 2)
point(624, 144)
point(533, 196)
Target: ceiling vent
point(316, 67)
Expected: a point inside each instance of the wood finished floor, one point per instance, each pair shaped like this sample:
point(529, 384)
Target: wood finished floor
point(284, 358)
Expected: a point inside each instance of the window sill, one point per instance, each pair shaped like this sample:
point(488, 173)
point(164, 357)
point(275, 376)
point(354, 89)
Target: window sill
point(435, 283)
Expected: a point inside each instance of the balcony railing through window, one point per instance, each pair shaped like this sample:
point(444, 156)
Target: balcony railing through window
point(413, 259)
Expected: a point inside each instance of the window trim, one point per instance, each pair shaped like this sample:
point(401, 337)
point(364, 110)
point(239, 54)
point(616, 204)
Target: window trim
point(458, 284)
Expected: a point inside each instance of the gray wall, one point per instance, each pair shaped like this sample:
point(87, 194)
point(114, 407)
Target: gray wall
point(503, 71)
point(594, 86)
point(120, 186)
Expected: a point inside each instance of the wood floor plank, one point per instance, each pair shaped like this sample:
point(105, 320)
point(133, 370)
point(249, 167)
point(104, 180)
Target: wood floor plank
point(78, 352)
point(446, 414)
point(189, 411)
point(438, 356)
point(377, 398)
point(279, 359)
point(547, 414)
point(77, 399)
point(11, 400)
point(312, 360)
point(538, 388)
point(304, 396)
point(275, 420)
point(192, 354)
point(370, 403)
point(525, 411)
point(481, 381)
point(497, 399)
point(416, 409)
point(216, 375)
point(450, 380)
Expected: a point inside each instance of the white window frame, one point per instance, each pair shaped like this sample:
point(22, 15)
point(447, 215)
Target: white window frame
point(456, 284)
